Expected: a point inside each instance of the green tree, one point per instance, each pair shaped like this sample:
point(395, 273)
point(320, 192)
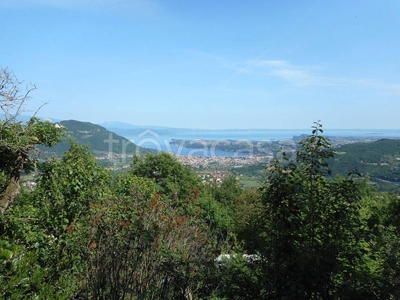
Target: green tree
point(52, 223)
point(175, 180)
point(227, 192)
point(18, 139)
point(249, 219)
point(385, 243)
point(313, 232)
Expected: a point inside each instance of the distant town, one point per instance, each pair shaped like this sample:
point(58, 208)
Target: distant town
point(215, 168)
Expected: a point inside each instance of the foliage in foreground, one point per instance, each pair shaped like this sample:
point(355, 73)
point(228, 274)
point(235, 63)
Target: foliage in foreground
point(18, 139)
point(154, 232)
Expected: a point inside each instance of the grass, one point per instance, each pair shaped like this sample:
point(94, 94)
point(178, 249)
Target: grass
point(250, 181)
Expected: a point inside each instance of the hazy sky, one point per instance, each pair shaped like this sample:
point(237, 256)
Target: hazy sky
point(209, 64)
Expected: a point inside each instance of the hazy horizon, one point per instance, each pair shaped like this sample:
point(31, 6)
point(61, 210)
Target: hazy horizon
point(127, 125)
point(242, 129)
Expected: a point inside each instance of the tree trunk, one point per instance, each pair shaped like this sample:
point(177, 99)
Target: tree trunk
point(188, 293)
point(13, 187)
point(12, 191)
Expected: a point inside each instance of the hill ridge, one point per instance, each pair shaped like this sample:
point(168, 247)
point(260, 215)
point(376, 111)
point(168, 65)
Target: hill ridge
point(100, 140)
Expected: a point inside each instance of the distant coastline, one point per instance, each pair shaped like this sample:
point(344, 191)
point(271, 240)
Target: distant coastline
point(168, 139)
point(247, 134)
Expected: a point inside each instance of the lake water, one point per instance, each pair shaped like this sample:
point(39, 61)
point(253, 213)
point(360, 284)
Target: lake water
point(159, 139)
point(276, 134)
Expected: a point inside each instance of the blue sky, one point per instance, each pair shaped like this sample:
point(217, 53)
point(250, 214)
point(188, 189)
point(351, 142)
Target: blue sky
point(208, 64)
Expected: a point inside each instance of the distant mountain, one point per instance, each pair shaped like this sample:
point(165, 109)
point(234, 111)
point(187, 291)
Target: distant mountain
point(138, 133)
point(126, 126)
point(100, 140)
point(25, 118)
point(119, 125)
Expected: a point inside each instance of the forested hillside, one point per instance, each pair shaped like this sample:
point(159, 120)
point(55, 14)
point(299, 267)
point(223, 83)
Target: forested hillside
point(379, 161)
point(99, 140)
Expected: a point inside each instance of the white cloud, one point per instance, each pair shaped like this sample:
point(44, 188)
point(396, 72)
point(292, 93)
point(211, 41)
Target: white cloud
point(311, 76)
point(295, 75)
point(300, 75)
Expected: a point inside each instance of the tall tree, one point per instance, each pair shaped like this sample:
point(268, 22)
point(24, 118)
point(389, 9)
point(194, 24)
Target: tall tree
point(313, 231)
point(18, 139)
